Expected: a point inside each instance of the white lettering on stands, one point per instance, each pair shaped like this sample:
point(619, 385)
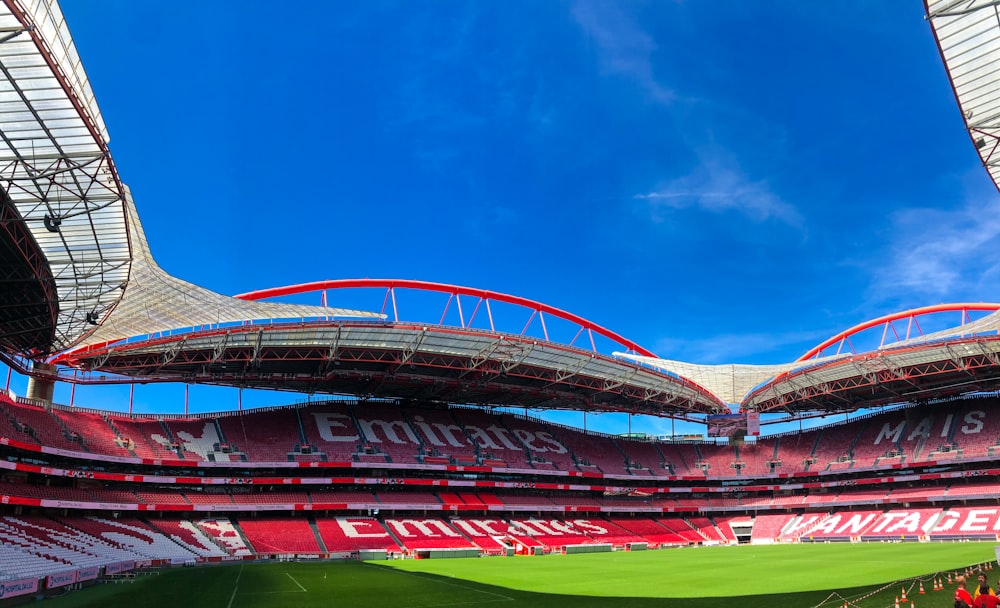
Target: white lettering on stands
point(563, 526)
point(589, 527)
point(909, 523)
point(947, 425)
point(946, 522)
point(890, 433)
point(521, 528)
point(225, 532)
point(973, 422)
point(856, 523)
point(448, 431)
point(501, 434)
point(481, 437)
point(410, 528)
point(799, 524)
point(352, 528)
point(480, 527)
point(327, 421)
point(528, 438)
point(202, 446)
point(976, 520)
point(388, 428)
point(557, 447)
point(887, 519)
point(923, 429)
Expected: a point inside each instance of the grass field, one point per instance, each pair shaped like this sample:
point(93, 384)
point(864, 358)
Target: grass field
point(787, 576)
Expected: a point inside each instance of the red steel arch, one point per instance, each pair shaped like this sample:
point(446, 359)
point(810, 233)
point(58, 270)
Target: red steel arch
point(455, 291)
point(887, 321)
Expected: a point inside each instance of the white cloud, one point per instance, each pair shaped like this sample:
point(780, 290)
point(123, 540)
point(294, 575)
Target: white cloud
point(941, 254)
point(717, 187)
point(625, 48)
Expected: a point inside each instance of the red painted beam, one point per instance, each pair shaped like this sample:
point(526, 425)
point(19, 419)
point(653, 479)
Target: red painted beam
point(454, 290)
point(915, 312)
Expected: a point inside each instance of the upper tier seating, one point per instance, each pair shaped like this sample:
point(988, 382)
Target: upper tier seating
point(330, 430)
point(140, 435)
point(643, 457)
point(381, 433)
point(96, 434)
point(266, 437)
point(492, 438)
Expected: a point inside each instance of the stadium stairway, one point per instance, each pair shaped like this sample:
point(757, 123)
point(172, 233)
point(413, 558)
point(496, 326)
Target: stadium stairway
point(243, 536)
point(319, 537)
point(303, 440)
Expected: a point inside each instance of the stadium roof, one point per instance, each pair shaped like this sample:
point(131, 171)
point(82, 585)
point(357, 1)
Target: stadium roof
point(118, 311)
point(56, 170)
point(59, 182)
point(802, 384)
point(968, 35)
point(405, 360)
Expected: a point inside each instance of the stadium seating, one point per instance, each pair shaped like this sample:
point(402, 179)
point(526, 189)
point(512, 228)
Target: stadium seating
point(190, 536)
point(144, 437)
point(589, 452)
point(94, 431)
point(487, 534)
point(643, 457)
point(768, 527)
point(225, 535)
point(267, 436)
point(351, 534)
point(426, 533)
point(425, 508)
point(492, 438)
point(280, 535)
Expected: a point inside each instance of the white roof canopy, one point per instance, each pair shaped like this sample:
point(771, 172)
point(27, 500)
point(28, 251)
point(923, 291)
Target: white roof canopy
point(55, 167)
point(968, 34)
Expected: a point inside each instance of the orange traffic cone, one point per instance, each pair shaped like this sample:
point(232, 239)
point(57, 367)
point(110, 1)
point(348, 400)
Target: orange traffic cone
point(897, 603)
point(921, 588)
point(903, 597)
point(949, 578)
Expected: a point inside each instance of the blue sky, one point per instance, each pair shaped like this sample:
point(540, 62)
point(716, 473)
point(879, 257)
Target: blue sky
point(721, 182)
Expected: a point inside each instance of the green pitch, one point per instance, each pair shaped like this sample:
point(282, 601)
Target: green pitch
point(744, 576)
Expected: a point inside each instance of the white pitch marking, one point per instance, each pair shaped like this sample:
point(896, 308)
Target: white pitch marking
point(296, 583)
point(235, 587)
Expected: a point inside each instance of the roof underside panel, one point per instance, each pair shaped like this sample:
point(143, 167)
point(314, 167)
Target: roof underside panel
point(392, 359)
point(55, 168)
point(968, 34)
point(903, 374)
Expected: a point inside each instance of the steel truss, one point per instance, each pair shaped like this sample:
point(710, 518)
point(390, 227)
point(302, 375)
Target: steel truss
point(899, 375)
point(401, 360)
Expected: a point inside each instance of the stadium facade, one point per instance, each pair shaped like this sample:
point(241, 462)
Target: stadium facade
point(420, 461)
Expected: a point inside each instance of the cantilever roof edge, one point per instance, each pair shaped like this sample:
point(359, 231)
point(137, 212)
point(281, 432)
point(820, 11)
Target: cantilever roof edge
point(968, 36)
